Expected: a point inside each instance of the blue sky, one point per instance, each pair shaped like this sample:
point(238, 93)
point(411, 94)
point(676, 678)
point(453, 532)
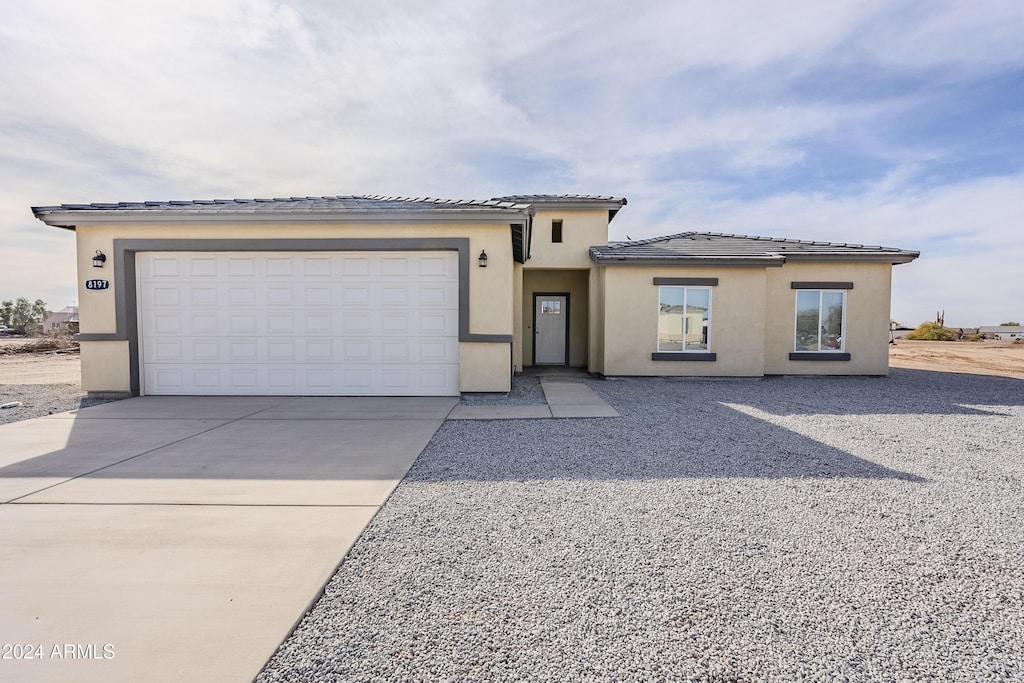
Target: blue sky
point(895, 123)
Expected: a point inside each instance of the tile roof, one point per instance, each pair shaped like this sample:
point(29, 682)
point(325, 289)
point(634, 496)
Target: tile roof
point(719, 247)
point(347, 204)
point(562, 199)
point(364, 208)
point(331, 204)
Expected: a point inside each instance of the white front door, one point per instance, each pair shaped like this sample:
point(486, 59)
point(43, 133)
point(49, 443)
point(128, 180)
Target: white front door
point(551, 326)
point(299, 323)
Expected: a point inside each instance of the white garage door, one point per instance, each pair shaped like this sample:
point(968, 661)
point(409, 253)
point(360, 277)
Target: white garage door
point(299, 324)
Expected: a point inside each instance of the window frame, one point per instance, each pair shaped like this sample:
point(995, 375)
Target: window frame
point(556, 231)
point(796, 320)
point(657, 342)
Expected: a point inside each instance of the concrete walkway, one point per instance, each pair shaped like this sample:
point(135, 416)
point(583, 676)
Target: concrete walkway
point(180, 538)
point(565, 398)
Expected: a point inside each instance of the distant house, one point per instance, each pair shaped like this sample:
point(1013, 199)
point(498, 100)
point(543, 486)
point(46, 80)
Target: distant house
point(65, 319)
point(371, 295)
point(1002, 332)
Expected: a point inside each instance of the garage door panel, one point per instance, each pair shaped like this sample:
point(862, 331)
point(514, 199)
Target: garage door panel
point(396, 323)
point(396, 265)
point(316, 266)
point(356, 295)
point(167, 296)
point(434, 324)
point(280, 295)
point(241, 267)
point(279, 266)
point(243, 323)
point(331, 323)
point(204, 323)
point(435, 296)
point(395, 296)
point(316, 323)
point(313, 297)
point(165, 322)
point(436, 267)
point(245, 296)
point(357, 351)
point(203, 266)
point(281, 323)
point(355, 266)
point(437, 351)
point(160, 266)
point(207, 296)
point(243, 350)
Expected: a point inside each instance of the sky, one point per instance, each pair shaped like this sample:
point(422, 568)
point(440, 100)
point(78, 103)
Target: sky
point(893, 122)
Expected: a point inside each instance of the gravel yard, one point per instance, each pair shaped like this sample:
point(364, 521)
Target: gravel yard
point(781, 529)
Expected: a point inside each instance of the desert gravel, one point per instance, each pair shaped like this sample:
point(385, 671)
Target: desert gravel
point(526, 391)
point(819, 529)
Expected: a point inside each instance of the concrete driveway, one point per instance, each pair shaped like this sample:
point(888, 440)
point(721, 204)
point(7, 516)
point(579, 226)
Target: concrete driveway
point(180, 538)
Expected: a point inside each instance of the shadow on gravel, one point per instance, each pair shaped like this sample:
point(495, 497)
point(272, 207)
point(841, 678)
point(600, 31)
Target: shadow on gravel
point(903, 392)
point(685, 428)
point(40, 400)
point(677, 434)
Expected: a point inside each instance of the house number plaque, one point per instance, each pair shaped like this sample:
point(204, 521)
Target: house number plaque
point(97, 284)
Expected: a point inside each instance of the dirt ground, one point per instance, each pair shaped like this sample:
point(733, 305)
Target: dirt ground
point(32, 368)
point(1000, 358)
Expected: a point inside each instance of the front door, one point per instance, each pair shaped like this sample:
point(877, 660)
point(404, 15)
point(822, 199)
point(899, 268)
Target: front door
point(551, 329)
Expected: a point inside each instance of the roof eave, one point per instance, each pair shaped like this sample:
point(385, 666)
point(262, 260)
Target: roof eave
point(892, 257)
point(714, 261)
point(63, 218)
point(571, 205)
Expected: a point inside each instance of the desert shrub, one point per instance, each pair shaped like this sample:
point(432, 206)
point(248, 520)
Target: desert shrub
point(972, 337)
point(931, 332)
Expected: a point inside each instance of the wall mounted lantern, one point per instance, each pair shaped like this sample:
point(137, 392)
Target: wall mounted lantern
point(99, 259)
point(482, 260)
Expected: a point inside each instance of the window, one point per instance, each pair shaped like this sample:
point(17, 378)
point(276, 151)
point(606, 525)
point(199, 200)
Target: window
point(556, 230)
point(820, 320)
point(684, 319)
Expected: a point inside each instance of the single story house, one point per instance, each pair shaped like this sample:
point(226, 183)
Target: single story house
point(64, 319)
point(373, 295)
point(1002, 332)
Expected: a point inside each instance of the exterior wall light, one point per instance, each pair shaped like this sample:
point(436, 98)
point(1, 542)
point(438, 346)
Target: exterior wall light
point(99, 259)
point(482, 259)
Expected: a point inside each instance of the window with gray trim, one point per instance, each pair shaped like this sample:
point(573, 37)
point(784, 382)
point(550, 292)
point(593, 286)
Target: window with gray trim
point(684, 319)
point(820, 321)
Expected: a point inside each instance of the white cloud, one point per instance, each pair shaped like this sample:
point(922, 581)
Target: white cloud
point(689, 109)
point(968, 234)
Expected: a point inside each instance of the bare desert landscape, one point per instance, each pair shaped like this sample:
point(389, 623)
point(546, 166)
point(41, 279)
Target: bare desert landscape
point(1000, 358)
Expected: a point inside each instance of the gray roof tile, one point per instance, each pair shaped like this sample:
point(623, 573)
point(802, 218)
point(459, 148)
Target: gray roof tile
point(711, 246)
point(561, 198)
point(367, 203)
point(353, 203)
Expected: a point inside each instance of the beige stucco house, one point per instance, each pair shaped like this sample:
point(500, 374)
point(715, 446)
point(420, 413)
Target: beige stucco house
point(416, 296)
